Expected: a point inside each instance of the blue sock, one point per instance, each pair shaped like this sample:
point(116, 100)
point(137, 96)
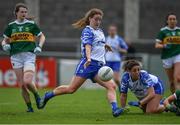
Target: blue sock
point(49, 95)
point(114, 105)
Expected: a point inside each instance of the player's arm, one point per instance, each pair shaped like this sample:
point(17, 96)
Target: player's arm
point(123, 51)
point(41, 40)
point(123, 46)
point(5, 44)
point(108, 48)
point(150, 95)
point(88, 55)
point(6, 40)
point(159, 45)
point(123, 99)
point(169, 100)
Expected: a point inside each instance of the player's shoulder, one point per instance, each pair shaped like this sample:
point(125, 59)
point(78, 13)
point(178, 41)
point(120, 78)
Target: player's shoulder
point(164, 28)
point(125, 77)
point(11, 23)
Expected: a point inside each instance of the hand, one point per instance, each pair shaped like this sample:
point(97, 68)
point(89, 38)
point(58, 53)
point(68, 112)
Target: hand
point(171, 108)
point(166, 46)
point(37, 50)
point(134, 103)
point(6, 47)
point(108, 48)
point(87, 63)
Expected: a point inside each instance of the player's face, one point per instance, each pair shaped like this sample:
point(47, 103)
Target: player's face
point(95, 21)
point(172, 21)
point(22, 13)
point(112, 31)
point(135, 72)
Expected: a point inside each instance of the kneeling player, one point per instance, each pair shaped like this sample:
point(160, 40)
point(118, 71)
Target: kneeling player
point(172, 103)
point(146, 87)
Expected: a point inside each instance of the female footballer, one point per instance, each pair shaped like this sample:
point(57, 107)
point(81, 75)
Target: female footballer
point(19, 39)
point(119, 47)
point(168, 40)
point(93, 50)
point(146, 87)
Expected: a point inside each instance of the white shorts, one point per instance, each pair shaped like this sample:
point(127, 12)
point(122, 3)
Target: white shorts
point(25, 60)
point(168, 63)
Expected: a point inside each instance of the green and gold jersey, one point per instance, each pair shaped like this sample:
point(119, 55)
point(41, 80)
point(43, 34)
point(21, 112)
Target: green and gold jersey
point(22, 36)
point(177, 96)
point(170, 37)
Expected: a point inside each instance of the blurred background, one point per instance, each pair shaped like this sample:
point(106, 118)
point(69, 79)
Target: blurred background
point(138, 23)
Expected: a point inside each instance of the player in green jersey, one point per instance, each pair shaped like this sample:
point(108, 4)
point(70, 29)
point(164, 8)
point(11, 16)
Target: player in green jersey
point(19, 40)
point(172, 103)
point(168, 40)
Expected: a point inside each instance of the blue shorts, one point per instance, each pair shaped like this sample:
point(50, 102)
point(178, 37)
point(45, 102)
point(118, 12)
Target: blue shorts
point(115, 66)
point(159, 88)
point(91, 71)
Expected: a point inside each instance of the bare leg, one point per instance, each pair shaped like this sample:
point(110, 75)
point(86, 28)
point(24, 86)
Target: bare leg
point(117, 78)
point(170, 74)
point(24, 91)
point(28, 80)
point(111, 95)
point(76, 82)
point(177, 75)
point(110, 87)
point(153, 105)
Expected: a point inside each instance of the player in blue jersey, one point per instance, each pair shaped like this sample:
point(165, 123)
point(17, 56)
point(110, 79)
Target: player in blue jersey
point(93, 58)
point(119, 47)
point(146, 87)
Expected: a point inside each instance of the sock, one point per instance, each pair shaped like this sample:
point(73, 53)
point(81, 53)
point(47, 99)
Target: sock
point(36, 95)
point(114, 105)
point(29, 105)
point(49, 95)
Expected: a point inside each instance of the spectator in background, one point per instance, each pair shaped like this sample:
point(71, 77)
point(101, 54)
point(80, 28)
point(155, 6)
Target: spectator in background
point(19, 40)
point(119, 47)
point(93, 50)
point(168, 40)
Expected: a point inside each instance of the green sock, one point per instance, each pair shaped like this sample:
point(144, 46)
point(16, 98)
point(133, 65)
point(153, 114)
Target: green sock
point(29, 105)
point(36, 95)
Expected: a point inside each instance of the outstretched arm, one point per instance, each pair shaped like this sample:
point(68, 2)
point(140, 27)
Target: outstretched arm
point(123, 99)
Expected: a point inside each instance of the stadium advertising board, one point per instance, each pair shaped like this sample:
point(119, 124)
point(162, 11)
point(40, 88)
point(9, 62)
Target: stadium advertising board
point(46, 70)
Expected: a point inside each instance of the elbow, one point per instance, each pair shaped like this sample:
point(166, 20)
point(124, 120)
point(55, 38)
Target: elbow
point(152, 95)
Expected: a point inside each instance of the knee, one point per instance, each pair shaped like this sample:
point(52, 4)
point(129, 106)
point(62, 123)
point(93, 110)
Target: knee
point(117, 81)
point(111, 86)
point(150, 111)
point(177, 78)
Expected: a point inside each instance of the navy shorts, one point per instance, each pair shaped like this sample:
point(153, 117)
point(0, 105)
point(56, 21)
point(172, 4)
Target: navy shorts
point(159, 88)
point(115, 66)
point(89, 72)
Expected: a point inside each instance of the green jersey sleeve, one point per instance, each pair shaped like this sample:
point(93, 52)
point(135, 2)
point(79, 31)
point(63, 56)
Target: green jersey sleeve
point(160, 36)
point(177, 94)
point(36, 30)
point(8, 31)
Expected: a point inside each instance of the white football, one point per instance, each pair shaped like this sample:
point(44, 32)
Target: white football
point(105, 73)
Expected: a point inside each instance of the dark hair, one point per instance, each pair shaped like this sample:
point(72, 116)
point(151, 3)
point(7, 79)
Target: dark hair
point(18, 5)
point(85, 20)
point(167, 16)
point(129, 64)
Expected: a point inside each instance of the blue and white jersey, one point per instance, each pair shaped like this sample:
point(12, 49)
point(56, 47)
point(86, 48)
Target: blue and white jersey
point(115, 43)
point(95, 38)
point(139, 87)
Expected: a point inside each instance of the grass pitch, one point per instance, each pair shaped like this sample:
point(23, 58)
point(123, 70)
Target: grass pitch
point(83, 107)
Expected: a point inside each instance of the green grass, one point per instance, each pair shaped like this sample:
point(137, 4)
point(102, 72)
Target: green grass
point(83, 107)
